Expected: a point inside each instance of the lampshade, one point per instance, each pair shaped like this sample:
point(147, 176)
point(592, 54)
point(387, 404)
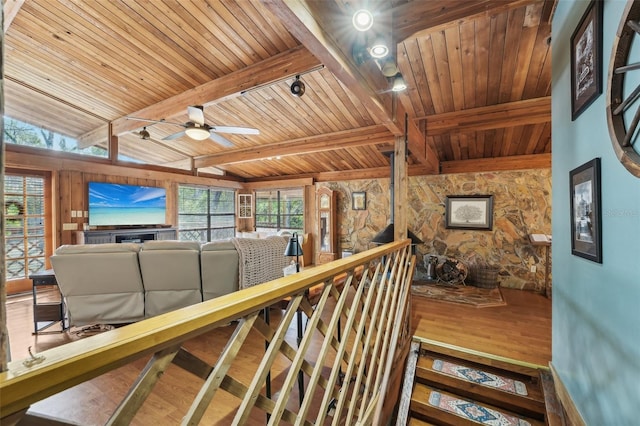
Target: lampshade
point(293, 246)
point(362, 20)
point(197, 133)
point(379, 48)
point(398, 83)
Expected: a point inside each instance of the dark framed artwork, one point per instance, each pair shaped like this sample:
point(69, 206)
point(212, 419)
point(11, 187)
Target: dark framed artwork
point(359, 201)
point(469, 212)
point(586, 59)
point(586, 222)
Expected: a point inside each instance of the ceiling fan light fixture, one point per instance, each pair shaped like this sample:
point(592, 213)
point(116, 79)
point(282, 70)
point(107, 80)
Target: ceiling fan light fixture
point(362, 20)
point(144, 134)
point(398, 83)
point(197, 133)
point(379, 48)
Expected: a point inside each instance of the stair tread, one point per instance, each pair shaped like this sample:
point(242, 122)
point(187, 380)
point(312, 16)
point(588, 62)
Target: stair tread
point(424, 369)
point(421, 406)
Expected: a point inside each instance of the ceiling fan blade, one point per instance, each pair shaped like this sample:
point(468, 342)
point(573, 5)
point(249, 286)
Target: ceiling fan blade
point(236, 130)
point(174, 136)
point(221, 140)
point(196, 114)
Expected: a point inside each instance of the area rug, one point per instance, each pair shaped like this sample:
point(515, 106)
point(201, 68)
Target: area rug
point(481, 377)
point(469, 295)
point(473, 411)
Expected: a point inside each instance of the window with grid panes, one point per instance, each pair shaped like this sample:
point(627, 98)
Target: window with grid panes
point(24, 221)
point(206, 213)
point(280, 210)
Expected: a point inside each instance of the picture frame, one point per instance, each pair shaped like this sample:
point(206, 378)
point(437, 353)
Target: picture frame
point(469, 212)
point(359, 201)
point(586, 217)
point(245, 206)
point(586, 59)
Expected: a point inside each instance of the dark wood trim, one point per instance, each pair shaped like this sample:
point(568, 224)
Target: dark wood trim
point(570, 409)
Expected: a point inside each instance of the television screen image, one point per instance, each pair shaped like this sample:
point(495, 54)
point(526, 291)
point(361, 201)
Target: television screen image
point(116, 204)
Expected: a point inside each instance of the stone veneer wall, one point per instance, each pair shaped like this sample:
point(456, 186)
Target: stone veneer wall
point(521, 205)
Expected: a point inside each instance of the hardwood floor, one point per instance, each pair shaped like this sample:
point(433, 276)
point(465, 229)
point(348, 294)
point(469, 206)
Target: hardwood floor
point(520, 330)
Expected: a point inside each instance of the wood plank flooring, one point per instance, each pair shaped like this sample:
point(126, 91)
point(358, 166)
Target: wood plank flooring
point(519, 330)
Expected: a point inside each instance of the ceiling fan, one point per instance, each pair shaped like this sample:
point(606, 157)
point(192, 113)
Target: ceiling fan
point(197, 129)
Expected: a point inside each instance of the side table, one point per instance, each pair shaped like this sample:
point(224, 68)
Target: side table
point(50, 312)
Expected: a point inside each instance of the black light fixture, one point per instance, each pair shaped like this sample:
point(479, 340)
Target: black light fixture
point(294, 249)
point(144, 134)
point(297, 87)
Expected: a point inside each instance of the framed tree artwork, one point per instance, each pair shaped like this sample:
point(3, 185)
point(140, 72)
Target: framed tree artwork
point(359, 201)
point(469, 212)
point(586, 222)
point(586, 59)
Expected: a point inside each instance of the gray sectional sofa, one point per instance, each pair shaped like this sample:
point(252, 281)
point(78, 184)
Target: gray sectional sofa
point(123, 283)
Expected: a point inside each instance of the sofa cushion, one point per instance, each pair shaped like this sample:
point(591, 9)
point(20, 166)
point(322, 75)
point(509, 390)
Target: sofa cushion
point(219, 269)
point(101, 283)
point(171, 275)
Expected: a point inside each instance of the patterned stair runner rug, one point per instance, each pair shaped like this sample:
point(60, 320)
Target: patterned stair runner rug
point(473, 411)
point(481, 377)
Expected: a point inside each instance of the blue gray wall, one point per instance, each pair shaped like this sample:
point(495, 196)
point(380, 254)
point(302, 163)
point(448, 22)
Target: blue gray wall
point(596, 307)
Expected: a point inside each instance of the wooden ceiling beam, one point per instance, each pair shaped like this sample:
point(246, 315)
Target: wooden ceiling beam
point(516, 162)
point(417, 18)
point(284, 65)
point(325, 142)
point(530, 111)
point(11, 9)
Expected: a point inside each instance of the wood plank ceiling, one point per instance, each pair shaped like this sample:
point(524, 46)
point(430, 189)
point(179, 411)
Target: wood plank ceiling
point(478, 75)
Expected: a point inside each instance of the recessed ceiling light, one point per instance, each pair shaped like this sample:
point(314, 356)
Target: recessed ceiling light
point(379, 48)
point(362, 20)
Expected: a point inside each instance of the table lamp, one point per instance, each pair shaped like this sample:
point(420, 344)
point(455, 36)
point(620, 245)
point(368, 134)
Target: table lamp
point(294, 249)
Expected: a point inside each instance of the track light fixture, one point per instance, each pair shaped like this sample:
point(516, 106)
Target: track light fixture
point(362, 20)
point(389, 68)
point(297, 87)
point(398, 83)
point(379, 48)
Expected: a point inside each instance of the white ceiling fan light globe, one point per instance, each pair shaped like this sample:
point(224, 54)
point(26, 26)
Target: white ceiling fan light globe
point(197, 133)
point(362, 20)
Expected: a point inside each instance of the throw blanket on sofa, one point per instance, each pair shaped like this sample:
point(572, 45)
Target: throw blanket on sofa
point(260, 260)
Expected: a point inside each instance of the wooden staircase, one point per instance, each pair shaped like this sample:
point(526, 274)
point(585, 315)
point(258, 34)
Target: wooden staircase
point(428, 385)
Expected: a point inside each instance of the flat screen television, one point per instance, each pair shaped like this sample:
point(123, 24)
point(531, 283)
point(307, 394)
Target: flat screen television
point(126, 205)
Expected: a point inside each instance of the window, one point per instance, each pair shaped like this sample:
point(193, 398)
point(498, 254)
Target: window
point(280, 210)
point(20, 133)
point(206, 214)
point(26, 248)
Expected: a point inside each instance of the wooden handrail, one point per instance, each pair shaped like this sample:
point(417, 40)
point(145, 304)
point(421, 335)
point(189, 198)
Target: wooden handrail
point(366, 295)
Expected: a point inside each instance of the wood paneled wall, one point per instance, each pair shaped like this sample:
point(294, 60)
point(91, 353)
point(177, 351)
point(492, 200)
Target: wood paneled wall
point(73, 196)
